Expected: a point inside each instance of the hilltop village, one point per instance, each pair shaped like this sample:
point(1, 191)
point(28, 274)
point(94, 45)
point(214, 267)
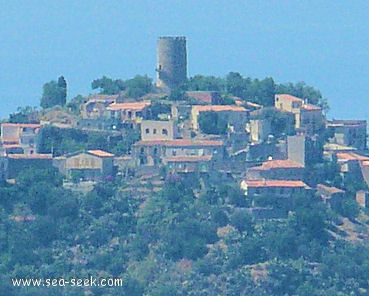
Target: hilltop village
point(271, 151)
point(190, 186)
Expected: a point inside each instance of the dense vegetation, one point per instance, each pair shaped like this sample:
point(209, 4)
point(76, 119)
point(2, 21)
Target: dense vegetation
point(54, 93)
point(186, 239)
point(60, 141)
point(212, 123)
point(255, 90)
point(135, 87)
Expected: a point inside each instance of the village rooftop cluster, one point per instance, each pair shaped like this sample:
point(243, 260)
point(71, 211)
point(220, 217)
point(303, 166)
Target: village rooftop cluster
point(262, 163)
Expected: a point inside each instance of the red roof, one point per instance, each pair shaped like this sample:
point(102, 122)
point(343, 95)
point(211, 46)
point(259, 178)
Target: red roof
point(275, 183)
point(204, 96)
point(219, 108)
point(179, 143)
point(101, 153)
point(22, 125)
point(10, 140)
point(128, 106)
point(289, 97)
point(278, 163)
point(188, 158)
point(310, 107)
point(30, 156)
point(9, 146)
point(351, 156)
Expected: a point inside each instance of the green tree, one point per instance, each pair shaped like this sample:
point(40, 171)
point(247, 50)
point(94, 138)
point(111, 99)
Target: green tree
point(254, 90)
point(282, 123)
point(157, 108)
point(26, 114)
point(62, 85)
point(108, 86)
point(177, 94)
point(243, 221)
point(211, 123)
point(54, 93)
point(260, 91)
point(235, 84)
point(206, 83)
point(138, 86)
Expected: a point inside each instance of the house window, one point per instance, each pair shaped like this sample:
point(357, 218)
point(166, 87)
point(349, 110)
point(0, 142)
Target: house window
point(154, 131)
point(164, 131)
point(147, 131)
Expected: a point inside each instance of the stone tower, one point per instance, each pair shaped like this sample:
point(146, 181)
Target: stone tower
point(172, 62)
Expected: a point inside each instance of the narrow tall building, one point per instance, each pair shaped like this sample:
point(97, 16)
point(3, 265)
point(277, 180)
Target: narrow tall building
point(172, 62)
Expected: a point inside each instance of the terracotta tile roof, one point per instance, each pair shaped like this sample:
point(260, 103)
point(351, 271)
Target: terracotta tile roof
point(128, 106)
point(289, 97)
point(351, 156)
point(9, 146)
point(179, 143)
point(204, 96)
point(280, 163)
point(219, 108)
point(30, 156)
point(328, 189)
point(10, 140)
point(101, 153)
point(275, 183)
point(310, 107)
point(188, 158)
point(21, 125)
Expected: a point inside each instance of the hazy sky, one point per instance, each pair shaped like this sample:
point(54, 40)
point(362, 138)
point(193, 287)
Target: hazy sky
point(324, 43)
